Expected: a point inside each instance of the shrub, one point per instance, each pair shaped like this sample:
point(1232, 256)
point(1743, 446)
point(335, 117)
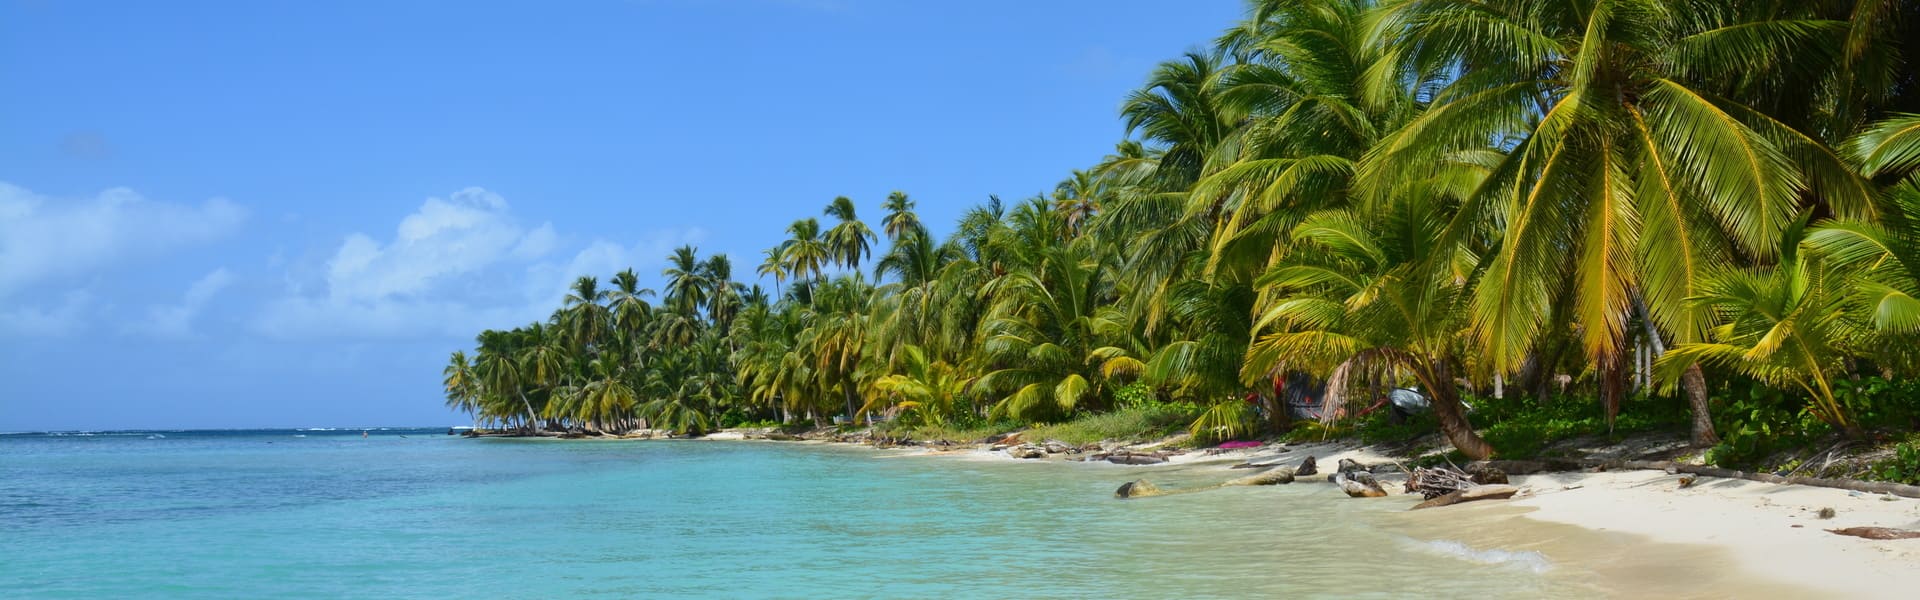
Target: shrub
point(1903, 467)
point(1760, 422)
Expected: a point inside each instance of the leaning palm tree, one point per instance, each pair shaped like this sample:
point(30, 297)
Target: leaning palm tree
point(773, 264)
point(462, 385)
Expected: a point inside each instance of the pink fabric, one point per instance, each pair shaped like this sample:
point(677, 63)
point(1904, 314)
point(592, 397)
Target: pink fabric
point(1239, 445)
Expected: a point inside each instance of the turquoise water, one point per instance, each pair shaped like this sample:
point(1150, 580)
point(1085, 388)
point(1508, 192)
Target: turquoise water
point(330, 514)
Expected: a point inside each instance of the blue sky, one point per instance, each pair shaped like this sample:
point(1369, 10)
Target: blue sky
point(286, 214)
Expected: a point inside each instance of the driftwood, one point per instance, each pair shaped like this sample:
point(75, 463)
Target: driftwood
point(1877, 533)
point(1358, 484)
point(1522, 467)
point(1434, 483)
point(1484, 492)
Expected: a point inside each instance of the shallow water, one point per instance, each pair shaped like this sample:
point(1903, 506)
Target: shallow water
point(257, 513)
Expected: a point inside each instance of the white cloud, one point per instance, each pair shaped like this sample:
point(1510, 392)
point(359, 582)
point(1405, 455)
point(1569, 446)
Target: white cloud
point(452, 268)
point(176, 320)
point(66, 317)
point(45, 239)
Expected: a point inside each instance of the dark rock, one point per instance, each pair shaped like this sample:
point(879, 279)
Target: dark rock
point(1349, 465)
point(1307, 467)
point(1138, 488)
point(1486, 475)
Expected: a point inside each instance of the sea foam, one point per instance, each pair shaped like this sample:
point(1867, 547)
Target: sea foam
point(1526, 559)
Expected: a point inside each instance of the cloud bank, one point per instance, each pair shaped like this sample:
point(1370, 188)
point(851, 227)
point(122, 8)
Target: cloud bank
point(454, 266)
point(46, 240)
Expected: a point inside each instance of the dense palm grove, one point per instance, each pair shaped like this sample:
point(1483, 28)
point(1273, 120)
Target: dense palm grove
point(1652, 198)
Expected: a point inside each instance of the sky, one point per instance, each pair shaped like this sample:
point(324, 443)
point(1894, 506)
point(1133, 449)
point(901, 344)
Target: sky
point(288, 214)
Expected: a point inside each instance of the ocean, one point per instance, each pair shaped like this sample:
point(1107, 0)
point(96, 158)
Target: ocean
point(405, 513)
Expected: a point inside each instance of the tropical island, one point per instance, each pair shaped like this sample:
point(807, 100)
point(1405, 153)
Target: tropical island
point(1451, 231)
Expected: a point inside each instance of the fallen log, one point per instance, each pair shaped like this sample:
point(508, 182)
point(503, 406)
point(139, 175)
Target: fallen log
point(1358, 484)
point(1529, 467)
point(1259, 462)
point(1877, 533)
point(1485, 492)
point(1871, 487)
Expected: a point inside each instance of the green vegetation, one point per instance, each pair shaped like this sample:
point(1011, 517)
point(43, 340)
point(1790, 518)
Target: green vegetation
point(1126, 424)
point(1616, 214)
point(1903, 467)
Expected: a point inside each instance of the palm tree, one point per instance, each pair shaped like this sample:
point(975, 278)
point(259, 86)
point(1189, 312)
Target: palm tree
point(1361, 291)
point(499, 370)
point(804, 252)
point(723, 295)
point(921, 390)
point(900, 220)
point(1050, 341)
point(586, 316)
point(462, 385)
point(1787, 326)
point(1179, 110)
point(1634, 161)
point(687, 288)
point(628, 303)
point(849, 241)
point(774, 264)
point(1078, 199)
point(606, 398)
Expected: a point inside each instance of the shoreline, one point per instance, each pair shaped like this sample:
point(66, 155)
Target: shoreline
point(1770, 534)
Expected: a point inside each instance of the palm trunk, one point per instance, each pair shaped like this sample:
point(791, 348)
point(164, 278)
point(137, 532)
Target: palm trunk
point(847, 390)
point(533, 420)
point(1447, 409)
point(1695, 385)
point(1613, 384)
